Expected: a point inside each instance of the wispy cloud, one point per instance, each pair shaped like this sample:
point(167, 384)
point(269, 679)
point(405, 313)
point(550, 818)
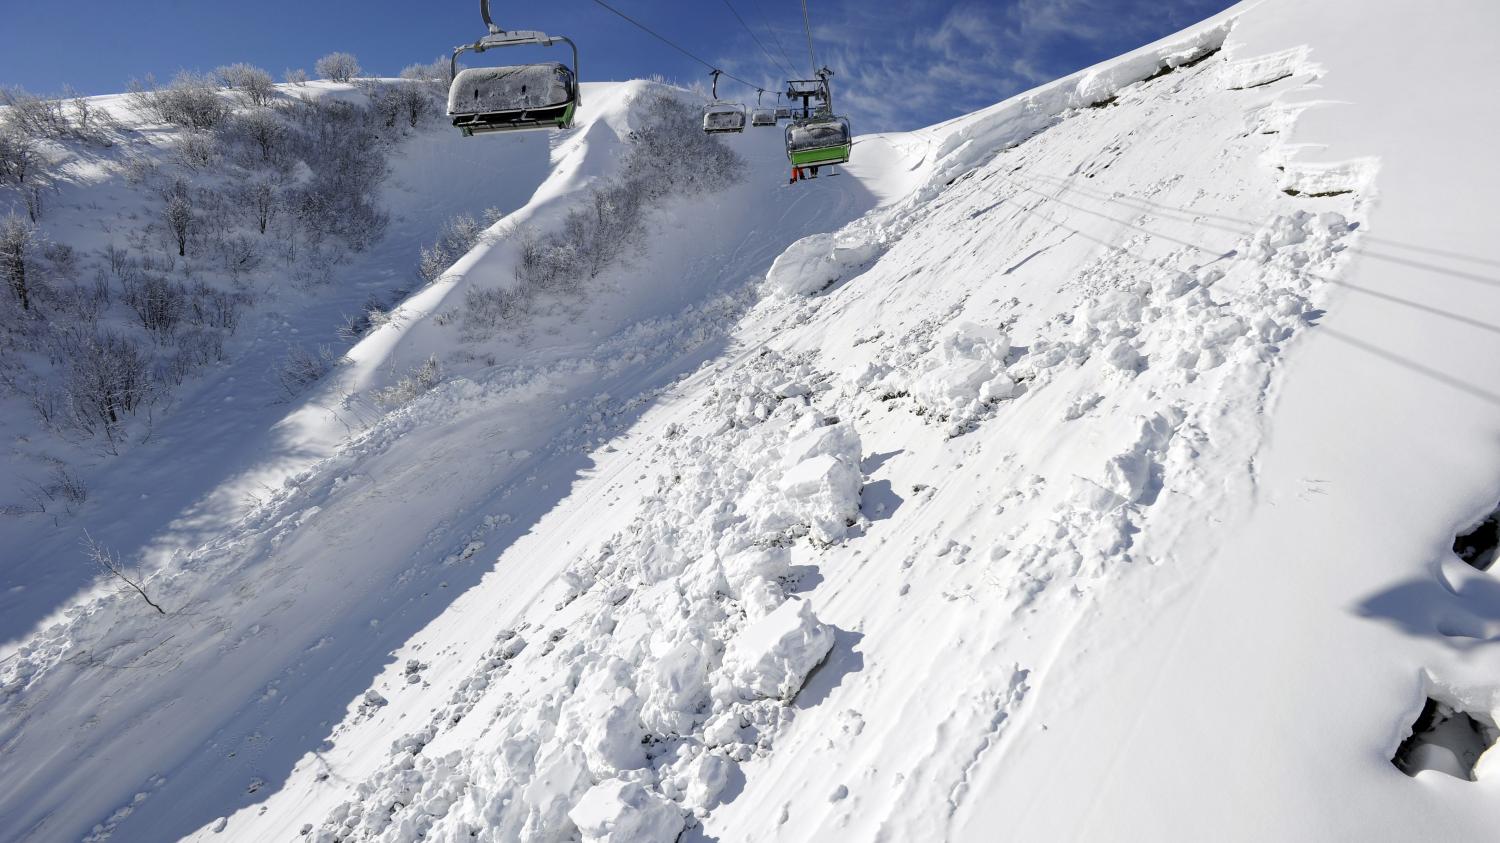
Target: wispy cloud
point(910, 64)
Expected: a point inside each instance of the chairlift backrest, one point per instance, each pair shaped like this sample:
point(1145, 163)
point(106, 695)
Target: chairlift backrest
point(723, 117)
point(819, 133)
point(487, 90)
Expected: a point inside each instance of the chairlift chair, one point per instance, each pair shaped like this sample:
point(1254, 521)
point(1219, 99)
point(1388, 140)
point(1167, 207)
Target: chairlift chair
point(762, 115)
point(819, 138)
point(819, 141)
point(514, 98)
point(721, 117)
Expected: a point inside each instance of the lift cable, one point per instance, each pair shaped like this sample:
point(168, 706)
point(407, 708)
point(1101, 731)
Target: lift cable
point(758, 42)
point(807, 25)
point(775, 38)
point(674, 45)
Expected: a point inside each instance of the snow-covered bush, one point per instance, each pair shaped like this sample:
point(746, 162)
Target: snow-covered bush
point(295, 76)
point(191, 101)
point(157, 302)
point(459, 235)
point(337, 67)
point(403, 103)
point(209, 307)
point(485, 309)
point(254, 84)
point(18, 245)
point(337, 142)
point(177, 215)
point(34, 116)
point(301, 368)
point(667, 129)
point(261, 199)
point(416, 382)
point(196, 151)
point(106, 378)
point(260, 136)
point(435, 71)
point(18, 156)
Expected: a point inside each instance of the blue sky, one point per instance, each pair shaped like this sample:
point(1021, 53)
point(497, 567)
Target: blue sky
point(898, 65)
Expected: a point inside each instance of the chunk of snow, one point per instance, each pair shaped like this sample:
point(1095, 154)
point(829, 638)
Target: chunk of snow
point(772, 657)
point(618, 811)
point(806, 267)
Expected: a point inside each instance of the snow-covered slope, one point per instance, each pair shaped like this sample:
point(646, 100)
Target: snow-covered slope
point(1082, 468)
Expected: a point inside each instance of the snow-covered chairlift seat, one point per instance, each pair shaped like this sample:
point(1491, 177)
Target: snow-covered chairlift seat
point(500, 99)
point(719, 118)
point(763, 117)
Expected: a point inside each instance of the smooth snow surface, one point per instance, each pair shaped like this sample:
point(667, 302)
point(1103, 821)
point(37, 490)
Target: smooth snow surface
point(1088, 467)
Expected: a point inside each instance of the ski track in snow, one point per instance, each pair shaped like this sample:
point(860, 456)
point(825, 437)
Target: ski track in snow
point(824, 556)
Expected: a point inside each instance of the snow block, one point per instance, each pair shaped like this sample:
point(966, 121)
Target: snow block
point(825, 492)
point(806, 267)
point(772, 657)
point(814, 262)
point(617, 811)
point(964, 371)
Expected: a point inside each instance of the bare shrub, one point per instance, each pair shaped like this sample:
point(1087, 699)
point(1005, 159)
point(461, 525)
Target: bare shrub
point(192, 100)
point(195, 349)
point(435, 71)
point(416, 382)
point(338, 67)
point(458, 236)
point(405, 103)
point(254, 84)
point(18, 156)
point(670, 130)
point(84, 303)
point(158, 302)
point(19, 242)
point(209, 307)
point(295, 76)
point(117, 257)
point(301, 368)
point(34, 116)
point(263, 133)
point(106, 378)
point(111, 565)
point(34, 197)
point(485, 309)
point(65, 483)
point(177, 214)
point(262, 200)
point(238, 255)
point(196, 151)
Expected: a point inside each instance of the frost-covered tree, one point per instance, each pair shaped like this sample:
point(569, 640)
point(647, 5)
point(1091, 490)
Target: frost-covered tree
point(263, 130)
point(33, 116)
point(18, 242)
point(338, 67)
point(254, 84)
point(178, 216)
point(295, 76)
point(18, 156)
point(263, 200)
point(107, 377)
point(435, 71)
point(192, 100)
